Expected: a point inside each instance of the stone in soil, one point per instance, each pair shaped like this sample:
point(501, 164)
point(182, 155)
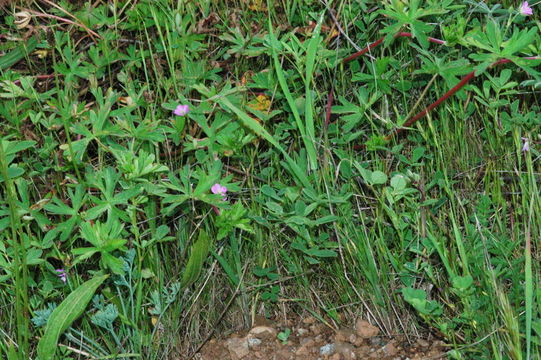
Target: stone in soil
point(309, 320)
point(253, 343)
point(238, 348)
point(263, 333)
point(365, 330)
point(390, 349)
point(326, 350)
point(346, 335)
point(346, 350)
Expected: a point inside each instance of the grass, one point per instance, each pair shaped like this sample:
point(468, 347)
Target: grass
point(430, 233)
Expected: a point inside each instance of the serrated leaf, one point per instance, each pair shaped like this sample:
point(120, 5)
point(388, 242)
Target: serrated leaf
point(65, 314)
point(519, 41)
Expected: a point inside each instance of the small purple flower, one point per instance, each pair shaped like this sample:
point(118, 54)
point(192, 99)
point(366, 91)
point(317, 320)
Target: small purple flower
point(526, 145)
point(61, 273)
point(181, 110)
point(525, 9)
point(219, 189)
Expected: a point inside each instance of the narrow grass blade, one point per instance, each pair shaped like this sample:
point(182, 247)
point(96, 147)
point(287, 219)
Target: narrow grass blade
point(261, 131)
point(65, 314)
point(313, 45)
point(460, 246)
point(308, 142)
point(528, 292)
point(227, 268)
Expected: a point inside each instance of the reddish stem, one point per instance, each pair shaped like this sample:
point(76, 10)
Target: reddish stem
point(430, 39)
point(39, 77)
point(466, 79)
point(379, 41)
point(363, 51)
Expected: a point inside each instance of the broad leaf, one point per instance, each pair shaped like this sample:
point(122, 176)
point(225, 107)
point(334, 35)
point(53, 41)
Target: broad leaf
point(65, 314)
point(200, 250)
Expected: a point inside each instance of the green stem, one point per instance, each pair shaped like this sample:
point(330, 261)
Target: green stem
point(21, 294)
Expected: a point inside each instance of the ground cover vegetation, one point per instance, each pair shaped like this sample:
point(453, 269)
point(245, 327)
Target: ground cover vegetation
point(173, 168)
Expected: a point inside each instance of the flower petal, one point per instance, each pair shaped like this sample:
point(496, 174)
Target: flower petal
point(181, 110)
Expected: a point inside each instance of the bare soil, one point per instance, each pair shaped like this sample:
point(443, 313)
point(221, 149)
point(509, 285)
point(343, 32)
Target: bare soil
point(311, 340)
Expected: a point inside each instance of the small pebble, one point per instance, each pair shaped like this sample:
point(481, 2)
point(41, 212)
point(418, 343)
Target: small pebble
point(365, 329)
point(326, 350)
point(377, 341)
point(254, 342)
point(423, 343)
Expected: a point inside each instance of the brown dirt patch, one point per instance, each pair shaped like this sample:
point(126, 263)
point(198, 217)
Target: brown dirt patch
point(310, 340)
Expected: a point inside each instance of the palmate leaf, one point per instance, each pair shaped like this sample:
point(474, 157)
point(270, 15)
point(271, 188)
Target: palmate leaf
point(518, 41)
point(107, 181)
point(58, 207)
point(409, 16)
point(65, 314)
point(106, 239)
point(491, 40)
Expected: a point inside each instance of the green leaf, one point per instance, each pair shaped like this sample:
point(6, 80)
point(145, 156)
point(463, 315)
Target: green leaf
point(324, 253)
point(13, 147)
point(13, 172)
point(519, 41)
point(17, 54)
point(378, 177)
point(275, 207)
point(111, 262)
point(200, 250)
point(261, 131)
point(398, 182)
point(65, 314)
point(417, 299)
point(12, 353)
point(311, 55)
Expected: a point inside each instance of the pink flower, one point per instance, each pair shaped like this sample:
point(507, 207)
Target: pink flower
point(219, 189)
point(61, 273)
point(181, 110)
point(526, 146)
point(525, 9)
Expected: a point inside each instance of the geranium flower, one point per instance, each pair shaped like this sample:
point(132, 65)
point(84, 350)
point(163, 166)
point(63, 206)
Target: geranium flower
point(526, 145)
point(525, 9)
point(61, 273)
point(181, 110)
point(219, 189)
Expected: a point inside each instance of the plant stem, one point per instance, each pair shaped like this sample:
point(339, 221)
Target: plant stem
point(21, 295)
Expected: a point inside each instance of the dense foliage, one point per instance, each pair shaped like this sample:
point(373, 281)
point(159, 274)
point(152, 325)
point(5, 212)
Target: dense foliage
point(172, 167)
